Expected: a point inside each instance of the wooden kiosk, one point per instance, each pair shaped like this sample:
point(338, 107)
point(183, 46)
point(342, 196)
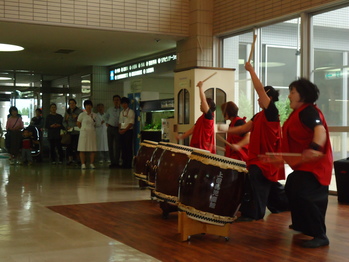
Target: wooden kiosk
point(218, 85)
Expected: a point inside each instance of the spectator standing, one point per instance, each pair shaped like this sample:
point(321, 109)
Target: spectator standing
point(87, 139)
point(70, 119)
point(53, 125)
point(27, 146)
point(127, 120)
point(36, 127)
point(102, 138)
point(14, 126)
point(112, 120)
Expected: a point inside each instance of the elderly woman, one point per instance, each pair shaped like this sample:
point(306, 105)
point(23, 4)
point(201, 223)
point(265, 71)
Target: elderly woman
point(14, 126)
point(305, 132)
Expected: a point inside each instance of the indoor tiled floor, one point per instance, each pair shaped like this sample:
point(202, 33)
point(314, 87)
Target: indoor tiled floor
point(30, 232)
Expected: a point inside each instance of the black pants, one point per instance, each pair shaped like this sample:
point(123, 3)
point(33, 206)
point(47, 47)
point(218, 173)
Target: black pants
point(114, 144)
point(127, 148)
point(56, 144)
point(264, 193)
point(308, 203)
point(72, 148)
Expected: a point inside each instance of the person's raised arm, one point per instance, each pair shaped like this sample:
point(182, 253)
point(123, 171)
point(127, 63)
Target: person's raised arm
point(204, 106)
point(258, 86)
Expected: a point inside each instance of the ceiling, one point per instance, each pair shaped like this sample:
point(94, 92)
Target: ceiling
point(89, 47)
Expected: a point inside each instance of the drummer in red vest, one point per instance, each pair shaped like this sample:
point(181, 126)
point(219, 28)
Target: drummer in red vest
point(306, 132)
point(203, 130)
point(238, 144)
point(265, 137)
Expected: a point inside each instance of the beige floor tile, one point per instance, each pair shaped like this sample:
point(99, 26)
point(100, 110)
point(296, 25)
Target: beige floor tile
point(30, 232)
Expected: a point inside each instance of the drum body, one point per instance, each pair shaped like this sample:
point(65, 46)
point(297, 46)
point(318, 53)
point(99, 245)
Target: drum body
point(170, 167)
point(142, 159)
point(153, 164)
point(211, 188)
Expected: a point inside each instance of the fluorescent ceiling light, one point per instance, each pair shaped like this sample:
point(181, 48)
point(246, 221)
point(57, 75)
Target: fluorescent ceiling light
point(5, 78)
point(10, 48)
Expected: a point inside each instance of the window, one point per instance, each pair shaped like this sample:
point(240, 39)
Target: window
point(330, 52)
point(236, 50)
point(183, 107)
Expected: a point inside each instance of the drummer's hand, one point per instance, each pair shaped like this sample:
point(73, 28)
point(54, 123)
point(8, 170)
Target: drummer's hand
point(235, 147)
point(178, 137)
point(222, 127)
point(311, 155)
point(248, 66)
point(199, 84)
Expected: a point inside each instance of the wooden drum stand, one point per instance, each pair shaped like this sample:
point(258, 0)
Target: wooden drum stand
point(188, 227)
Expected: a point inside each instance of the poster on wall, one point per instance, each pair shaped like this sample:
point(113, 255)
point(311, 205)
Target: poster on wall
point(136, 86)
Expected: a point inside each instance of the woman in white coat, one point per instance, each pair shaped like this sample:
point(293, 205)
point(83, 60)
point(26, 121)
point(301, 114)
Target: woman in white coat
point(87, 139)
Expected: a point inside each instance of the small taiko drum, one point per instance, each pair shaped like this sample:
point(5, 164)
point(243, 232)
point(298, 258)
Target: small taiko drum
point(211, 188)
point(153, 164)
point(142, 159)
point(170, 167)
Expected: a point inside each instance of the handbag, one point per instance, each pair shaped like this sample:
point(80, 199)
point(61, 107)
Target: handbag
point(65, 138)
point(8, 139)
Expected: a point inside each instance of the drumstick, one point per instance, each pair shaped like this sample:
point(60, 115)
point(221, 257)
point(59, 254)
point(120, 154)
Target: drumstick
point(252, 48)
point(209, 77)
point(223, 140)
point(283, 154)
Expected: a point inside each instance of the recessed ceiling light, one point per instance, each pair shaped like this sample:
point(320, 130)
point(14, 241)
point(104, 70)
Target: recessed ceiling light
point(10, 48)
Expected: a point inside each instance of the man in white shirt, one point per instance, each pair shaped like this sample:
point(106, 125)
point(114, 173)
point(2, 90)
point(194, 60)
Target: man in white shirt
point(112, 121)
point(126, 122)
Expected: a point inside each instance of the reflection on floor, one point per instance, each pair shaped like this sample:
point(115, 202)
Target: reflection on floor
point(31, 232)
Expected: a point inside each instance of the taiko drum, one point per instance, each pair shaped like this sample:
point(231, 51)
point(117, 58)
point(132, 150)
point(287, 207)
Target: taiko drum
point(170, 167)
point(153, 164)
point(211, 188)
point(142, 159)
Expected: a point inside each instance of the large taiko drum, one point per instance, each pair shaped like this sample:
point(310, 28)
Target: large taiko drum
point(211, 188)
point(153, 164)
point(170, 167)
point(142, 159)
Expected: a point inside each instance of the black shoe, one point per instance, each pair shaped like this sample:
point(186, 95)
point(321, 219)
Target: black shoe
point(113, 166)
point(244, 219)
point(316, 242)
point(293, 228)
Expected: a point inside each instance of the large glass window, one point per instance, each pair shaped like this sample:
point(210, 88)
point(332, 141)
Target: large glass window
point(279, 59)
point(236, 50)
point(330, 52)
point(276, 61)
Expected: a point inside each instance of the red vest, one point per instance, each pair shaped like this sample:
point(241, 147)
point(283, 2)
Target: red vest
point(265, 137)
point(242, 154)
point(297, 137)
point(203, 134)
